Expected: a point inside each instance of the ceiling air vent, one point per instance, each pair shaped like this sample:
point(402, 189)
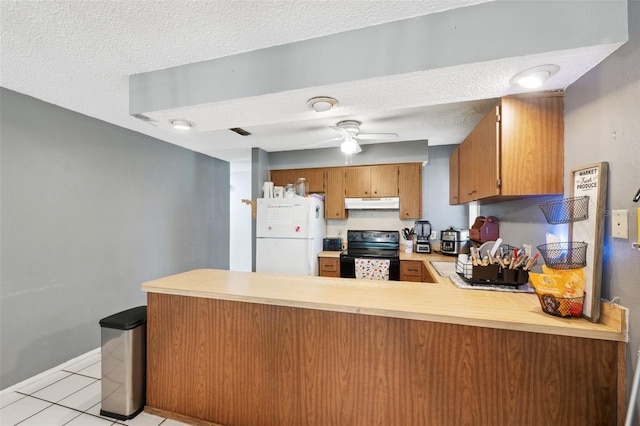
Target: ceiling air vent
point(240, 131)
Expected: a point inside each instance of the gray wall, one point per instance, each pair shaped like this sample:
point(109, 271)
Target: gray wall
point(603, 102)
point(89, 211)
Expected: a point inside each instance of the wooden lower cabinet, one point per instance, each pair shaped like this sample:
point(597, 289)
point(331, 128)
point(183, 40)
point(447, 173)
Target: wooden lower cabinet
point(411, 270)
point(329, 267)
point(416, 271)
point(239, 363)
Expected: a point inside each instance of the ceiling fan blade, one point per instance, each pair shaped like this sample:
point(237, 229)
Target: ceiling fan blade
point(325, 143)
point(340, 130)
point(376, 136)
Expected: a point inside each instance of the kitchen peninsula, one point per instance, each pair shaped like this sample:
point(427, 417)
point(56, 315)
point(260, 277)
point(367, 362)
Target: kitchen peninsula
point(238, 348)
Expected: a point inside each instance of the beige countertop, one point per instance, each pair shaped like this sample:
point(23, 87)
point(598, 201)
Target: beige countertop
point(437, 302)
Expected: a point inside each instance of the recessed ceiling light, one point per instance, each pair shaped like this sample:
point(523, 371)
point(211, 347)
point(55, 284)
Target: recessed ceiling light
point(533, 78)
point(322, 103)
point(181, 124)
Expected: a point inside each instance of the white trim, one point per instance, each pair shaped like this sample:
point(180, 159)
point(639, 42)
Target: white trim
point(37, 377)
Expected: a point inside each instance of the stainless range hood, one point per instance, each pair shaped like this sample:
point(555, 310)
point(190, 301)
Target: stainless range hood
point(387, 203)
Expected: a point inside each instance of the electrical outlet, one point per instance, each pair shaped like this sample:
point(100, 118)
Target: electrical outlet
point(527, 249)
point(433, 235)
point(620, 224)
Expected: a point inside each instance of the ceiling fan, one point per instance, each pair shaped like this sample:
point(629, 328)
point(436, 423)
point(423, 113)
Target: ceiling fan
point(349, 131)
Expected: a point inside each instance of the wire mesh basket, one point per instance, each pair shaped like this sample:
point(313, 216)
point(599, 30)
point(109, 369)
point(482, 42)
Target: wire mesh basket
point(566, 210)
point(564, 255)
point(561, 306)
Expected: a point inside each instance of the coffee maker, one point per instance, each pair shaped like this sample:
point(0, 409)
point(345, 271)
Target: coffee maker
point(422, 230)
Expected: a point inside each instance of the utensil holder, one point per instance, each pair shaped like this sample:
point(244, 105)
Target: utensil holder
point(519, 276)
point(489, 272)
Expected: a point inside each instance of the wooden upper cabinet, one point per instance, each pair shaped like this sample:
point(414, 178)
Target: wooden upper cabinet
point(516, 150)
point(384, 180)
point(281, 177)
point(314, 177)
point(357, 181)
point(410, 190)
point(532, 145)
point(453, 177)
point(334, 194)
point(371, 181)
point(465, 169)
point(485, 143)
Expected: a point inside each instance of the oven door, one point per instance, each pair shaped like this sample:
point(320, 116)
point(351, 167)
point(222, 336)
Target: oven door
point(348, 267)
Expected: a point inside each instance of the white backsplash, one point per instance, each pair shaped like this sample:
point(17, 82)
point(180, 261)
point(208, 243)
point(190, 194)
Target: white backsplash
point(374, 220)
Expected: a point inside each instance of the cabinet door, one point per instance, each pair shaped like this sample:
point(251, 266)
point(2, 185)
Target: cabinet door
point(334, 194)
point(329, 267)
point(466, 163)
point(384, 180)
point(410, 190)
point(532, 145)
point(357, 181)
point(314, 177)
point(486, 173)
point(453, 178)
point(411, 270)
point(281, 177)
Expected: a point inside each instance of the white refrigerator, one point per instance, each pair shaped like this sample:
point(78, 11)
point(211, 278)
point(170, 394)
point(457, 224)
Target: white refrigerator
point(289, 234)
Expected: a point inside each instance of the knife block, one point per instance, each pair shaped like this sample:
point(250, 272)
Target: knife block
point(484, 229)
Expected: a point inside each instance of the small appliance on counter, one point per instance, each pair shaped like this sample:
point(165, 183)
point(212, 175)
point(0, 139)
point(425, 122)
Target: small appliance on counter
point(454, 241)
point(332, 244)
point(422, 229)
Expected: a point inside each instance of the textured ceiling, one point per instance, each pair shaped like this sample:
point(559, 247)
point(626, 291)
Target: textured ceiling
point(79, 55)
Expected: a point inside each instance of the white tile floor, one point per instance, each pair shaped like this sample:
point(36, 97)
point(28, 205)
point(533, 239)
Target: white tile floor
point(67, 395)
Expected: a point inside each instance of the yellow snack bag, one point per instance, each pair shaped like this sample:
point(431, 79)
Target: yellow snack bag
point(572, 277)
point(548, 284)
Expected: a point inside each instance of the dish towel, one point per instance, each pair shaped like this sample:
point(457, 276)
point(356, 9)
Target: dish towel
point(372, 269)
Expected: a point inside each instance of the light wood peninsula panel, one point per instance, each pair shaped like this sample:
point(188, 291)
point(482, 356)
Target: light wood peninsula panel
point(239, 363)
point(237, 348)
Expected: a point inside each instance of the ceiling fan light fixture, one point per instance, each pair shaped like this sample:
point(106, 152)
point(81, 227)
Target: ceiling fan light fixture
point(350, 146)
point(181, 124)
point(322, 103)
point(533, 78)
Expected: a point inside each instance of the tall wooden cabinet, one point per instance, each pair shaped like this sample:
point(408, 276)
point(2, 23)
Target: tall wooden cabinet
point(453, 177)
point(515, 151)
point(334, 195)
point(410, 190)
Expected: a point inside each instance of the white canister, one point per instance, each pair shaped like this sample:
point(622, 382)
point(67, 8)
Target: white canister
point(267, 189)
point(408, 246)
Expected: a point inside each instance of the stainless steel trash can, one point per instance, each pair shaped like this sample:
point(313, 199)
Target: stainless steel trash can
point(124, 339)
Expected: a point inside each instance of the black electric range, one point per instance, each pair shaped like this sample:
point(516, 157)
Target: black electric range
point(372, 245)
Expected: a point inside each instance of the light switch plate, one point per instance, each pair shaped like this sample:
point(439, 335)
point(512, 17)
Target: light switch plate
point(620, 224)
